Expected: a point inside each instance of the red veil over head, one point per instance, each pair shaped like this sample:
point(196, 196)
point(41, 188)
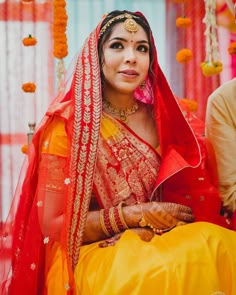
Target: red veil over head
point(78, 103)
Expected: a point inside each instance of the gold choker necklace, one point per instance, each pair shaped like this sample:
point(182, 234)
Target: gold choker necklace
point(122, 113)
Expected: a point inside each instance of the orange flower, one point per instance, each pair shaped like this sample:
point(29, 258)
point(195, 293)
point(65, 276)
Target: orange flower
point(183, 22)
point(184, 55)
point(28, 87)
point(191, 104)
point(232, 48)
point(24, 148)
point(29, 41)
point(211, 68)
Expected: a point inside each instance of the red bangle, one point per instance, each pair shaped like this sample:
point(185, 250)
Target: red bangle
point(105, 223)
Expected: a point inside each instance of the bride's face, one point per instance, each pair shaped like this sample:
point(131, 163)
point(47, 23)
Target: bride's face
point(126, 59)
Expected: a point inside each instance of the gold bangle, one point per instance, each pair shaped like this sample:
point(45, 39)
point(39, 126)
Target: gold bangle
point(104, 229)
point(112, 220)
point(121, 216)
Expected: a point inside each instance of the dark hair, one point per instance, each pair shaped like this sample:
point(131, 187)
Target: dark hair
point(139, 19)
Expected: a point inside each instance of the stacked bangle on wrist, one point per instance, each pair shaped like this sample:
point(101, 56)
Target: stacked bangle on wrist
point(112, 220)
point(105, 223)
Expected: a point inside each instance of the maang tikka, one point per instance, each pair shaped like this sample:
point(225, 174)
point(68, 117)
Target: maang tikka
point(129, 24)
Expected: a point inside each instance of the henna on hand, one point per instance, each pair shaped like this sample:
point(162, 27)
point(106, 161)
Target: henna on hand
point(164, 216)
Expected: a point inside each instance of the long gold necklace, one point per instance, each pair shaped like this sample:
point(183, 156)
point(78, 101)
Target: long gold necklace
point(122, 113)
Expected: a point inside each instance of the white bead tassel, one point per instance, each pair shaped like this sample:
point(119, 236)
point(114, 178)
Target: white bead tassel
point(212, 48)
point(60, 71)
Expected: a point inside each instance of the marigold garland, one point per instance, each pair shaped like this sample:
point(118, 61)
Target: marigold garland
point(28, 87)
point(184, 55)
point(232, 48)
point(29, 41)
point(59, 29)
point(212, 64)
point(183, 22)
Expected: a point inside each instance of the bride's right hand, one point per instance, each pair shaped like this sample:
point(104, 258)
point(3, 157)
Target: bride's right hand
point(164, 215)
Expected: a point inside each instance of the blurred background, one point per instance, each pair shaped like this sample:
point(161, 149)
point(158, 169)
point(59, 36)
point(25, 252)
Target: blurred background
point(20, 64)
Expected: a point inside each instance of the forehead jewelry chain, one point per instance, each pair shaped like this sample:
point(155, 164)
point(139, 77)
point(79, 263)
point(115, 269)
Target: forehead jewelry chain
point(122, 113)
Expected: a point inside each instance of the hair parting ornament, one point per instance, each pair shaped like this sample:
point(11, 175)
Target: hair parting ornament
point(129, 24)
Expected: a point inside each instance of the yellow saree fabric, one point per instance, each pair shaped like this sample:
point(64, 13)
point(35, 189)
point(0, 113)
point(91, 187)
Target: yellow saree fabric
point(197, 259)
point(194, 259)
point(191, 259)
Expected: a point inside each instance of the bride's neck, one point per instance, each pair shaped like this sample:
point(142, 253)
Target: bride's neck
point(120, 101)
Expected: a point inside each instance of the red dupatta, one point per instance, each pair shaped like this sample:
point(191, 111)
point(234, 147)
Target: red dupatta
point(22, 243)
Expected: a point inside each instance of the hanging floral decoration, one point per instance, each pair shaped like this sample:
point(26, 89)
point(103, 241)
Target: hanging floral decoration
point(212, 64)
point(29, 41)
point(29, 87)
point(232, 48)
point(59, 29)
point(184, 55)
point(60, 47)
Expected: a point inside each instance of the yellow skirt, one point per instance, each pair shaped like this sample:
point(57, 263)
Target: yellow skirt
point(194, 259)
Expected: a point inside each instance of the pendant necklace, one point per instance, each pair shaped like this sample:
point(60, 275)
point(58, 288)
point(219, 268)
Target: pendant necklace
point(122, 113)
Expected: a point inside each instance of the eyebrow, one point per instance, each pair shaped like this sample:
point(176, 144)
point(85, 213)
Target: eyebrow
point(125, 40)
